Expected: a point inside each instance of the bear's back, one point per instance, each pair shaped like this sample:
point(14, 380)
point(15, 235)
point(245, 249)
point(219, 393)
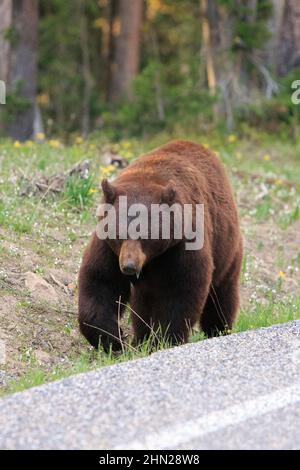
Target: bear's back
point(191, 166)
point(177, 160)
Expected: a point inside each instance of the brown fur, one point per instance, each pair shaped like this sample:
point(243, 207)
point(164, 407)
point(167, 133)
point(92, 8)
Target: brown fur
point(177, 288)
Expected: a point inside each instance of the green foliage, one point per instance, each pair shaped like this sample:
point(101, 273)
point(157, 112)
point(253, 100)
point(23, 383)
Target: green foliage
point(33, 378)
point(171, 90)
point(268, 314)
point(79, 191)
point(11, 35)
point(250, 35)
point(271, 114)
point(86, 361)
point(15, 103)
point(287, 219)
point(262, 210)
point(60, 61)
point(159, 105)
point(250, 27)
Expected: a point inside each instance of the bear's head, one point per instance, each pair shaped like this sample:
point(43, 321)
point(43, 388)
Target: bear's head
point(138, 221)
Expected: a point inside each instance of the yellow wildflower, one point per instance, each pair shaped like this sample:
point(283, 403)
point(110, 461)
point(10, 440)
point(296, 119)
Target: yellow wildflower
point(106, 170)
point(281, 275)
point(266, 157)
point(40, 136)
point(17, 144)
point(43, 99)
point(127, 154)
point(126, 144)
point(54, 143)
point(232, 138)
point(92, 190)
point(79, 140)
point(99, 23)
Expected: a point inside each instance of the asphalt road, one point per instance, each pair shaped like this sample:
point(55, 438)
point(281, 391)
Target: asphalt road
point(235, 392)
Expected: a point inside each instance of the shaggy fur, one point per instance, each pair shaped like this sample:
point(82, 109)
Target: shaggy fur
point(177, 288)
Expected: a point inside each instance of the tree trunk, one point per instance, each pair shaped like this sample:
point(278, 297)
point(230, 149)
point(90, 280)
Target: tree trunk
point(110, 46)
point(207, 14)
point(22, 77)
point(274, 26)
point(5, 24)
point(220, 68)
point(289, 46)
point(127, 49)
point(86, 70)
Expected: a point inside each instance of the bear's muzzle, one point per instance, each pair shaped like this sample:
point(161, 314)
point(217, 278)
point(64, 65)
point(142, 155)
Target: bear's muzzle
point(131, 258)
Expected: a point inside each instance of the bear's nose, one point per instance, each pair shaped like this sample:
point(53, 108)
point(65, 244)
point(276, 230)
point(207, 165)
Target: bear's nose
point(129, 268)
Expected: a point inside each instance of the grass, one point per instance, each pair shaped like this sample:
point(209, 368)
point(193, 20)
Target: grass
point(79, 191)
point(271, 313)
point(85, 362)
point(289, 217)
point(46, 234)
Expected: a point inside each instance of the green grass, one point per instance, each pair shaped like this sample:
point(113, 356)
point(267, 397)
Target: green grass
point(85, 362)
point(291, 216)
point(79, 191)
point(19, 213)
point(244, 268)
point(267, 315)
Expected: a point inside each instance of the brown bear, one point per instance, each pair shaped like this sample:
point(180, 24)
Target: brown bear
point(168, 286)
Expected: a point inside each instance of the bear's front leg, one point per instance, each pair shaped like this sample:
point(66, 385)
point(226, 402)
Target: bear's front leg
point(101, 284)
point(170, 298)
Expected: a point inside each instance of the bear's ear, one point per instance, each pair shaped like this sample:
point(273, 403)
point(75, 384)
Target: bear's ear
point(109, 191)
point(168, 195)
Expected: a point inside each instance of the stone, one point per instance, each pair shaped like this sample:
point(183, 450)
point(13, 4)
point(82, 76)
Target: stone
point(39, 288)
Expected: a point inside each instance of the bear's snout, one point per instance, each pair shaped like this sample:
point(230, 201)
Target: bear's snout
point(132, 258)
point(129, 268)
